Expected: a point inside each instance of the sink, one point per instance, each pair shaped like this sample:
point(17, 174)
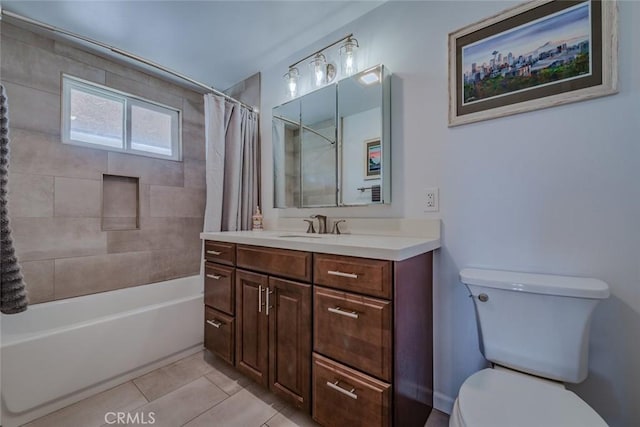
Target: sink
point(300, 236)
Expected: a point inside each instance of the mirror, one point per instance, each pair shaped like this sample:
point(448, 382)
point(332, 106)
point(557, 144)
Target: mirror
point(318, 148)
point(364, 138)
point(286, 154)
point(331, 147)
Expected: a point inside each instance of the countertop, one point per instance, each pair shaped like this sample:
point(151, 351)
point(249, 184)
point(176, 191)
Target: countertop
point(394, 248)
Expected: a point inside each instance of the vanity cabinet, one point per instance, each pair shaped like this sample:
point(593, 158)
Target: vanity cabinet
point(219, 299)
point(273, 337)
point(349, 339)
point(372, 323)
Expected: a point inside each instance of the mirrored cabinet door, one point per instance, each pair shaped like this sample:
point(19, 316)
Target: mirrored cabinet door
point(286, 155)
point(364, 138)
point(331, 147)
point(318, 150)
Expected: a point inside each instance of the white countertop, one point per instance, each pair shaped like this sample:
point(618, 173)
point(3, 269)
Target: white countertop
point(394, 248)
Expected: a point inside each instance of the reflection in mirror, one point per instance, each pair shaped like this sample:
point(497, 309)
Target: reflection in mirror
point(331, 147)
point(286, 154)
point(364, 146)
point(319, 148)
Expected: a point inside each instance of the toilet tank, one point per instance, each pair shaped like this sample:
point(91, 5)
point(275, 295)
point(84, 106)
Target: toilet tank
point(535, 323)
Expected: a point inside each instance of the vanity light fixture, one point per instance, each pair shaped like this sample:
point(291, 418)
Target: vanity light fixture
point(347, 56)
point(319, 70)
point(323, 71)
point(292, 81)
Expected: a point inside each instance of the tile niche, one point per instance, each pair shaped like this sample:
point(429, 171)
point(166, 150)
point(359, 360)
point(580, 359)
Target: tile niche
point(120, 203)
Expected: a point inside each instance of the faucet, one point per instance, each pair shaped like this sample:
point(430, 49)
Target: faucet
point(322, 223)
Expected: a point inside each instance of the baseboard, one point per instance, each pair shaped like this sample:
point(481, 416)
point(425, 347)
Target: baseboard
point(14, 420)
point(442, 402)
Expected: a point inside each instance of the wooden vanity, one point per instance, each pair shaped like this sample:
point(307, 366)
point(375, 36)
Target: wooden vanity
point(348, 339)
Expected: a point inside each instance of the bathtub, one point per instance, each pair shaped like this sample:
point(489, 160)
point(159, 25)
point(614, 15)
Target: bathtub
point(59, 352)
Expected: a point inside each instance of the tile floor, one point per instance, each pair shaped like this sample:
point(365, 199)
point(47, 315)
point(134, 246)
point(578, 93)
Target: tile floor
point(196, 391)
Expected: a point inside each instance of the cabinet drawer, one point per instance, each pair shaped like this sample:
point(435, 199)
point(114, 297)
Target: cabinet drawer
point(219, 287)
point(280, 262)
point(345, 397)
point(219, 332)
point(222, 252)
point(354, 329)
point(366, 276)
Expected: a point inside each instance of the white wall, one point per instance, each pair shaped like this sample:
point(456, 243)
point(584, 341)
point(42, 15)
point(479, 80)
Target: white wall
point(555, 191)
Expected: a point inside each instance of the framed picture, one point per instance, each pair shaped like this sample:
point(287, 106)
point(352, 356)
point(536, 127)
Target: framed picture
point(535, 55)
point(373, 158)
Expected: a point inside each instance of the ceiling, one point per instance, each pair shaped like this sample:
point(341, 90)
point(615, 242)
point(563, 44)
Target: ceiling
point(215, 42)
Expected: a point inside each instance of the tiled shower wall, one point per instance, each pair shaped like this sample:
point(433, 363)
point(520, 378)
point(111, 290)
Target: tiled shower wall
point(55, 189)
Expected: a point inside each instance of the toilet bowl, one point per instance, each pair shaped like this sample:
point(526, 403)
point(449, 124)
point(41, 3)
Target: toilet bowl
point(534, 328)
point(502, 398)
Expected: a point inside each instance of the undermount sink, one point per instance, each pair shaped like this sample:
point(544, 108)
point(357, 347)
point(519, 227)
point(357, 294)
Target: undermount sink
point(300, 236)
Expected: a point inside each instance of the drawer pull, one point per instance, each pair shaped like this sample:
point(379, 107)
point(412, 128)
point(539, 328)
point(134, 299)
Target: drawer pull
point(214, 253)
point(336, 387)
point(338, 310)
point(214, 276)
point(341, 274)
point(214, 323)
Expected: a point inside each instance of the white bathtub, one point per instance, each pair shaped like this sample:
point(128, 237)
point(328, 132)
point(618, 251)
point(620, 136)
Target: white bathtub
point(59, 352)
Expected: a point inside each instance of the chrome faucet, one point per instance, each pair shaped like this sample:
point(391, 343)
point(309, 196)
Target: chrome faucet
point(322, 223)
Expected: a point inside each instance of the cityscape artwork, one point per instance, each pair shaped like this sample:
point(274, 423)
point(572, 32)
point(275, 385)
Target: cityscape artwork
point(535, 55)
point(546, 51)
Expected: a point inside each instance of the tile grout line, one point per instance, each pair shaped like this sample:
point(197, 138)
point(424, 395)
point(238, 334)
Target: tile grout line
point(141, 392)
point(211, 407)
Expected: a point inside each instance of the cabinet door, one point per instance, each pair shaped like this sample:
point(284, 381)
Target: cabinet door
point(290, 341)
point(252, 357)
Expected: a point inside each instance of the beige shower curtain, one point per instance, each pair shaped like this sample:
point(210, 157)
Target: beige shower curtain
point(233, 165)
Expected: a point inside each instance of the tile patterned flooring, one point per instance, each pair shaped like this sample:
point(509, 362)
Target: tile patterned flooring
point(196, 391)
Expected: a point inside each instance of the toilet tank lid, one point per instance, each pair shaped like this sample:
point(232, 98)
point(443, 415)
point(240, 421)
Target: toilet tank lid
point(580, 287)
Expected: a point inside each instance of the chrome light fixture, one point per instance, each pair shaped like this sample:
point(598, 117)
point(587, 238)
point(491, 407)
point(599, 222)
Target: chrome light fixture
point(292, 81)
point(348, 56)
point(319, 70)
point(322, 71)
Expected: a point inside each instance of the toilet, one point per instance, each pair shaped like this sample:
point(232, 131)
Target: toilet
point(534, 329)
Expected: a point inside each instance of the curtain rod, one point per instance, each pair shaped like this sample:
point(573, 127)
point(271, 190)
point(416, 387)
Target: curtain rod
point(293, 122)
point(123, 53)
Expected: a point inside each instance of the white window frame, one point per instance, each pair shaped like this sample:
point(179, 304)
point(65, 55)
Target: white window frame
point(128, 100)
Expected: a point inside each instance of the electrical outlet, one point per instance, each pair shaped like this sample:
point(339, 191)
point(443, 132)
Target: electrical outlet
point(431, 201)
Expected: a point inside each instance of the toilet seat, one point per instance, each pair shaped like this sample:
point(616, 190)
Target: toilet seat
point(498, 398)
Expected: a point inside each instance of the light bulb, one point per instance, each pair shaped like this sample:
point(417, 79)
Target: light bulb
point(347, 56)
point(319, 66)
point(292, 81)
point(319, 75)
point(293, 88)
point(348, 63)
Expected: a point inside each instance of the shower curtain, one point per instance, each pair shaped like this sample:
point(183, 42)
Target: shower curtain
point(232, 164)
point(13, 295)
